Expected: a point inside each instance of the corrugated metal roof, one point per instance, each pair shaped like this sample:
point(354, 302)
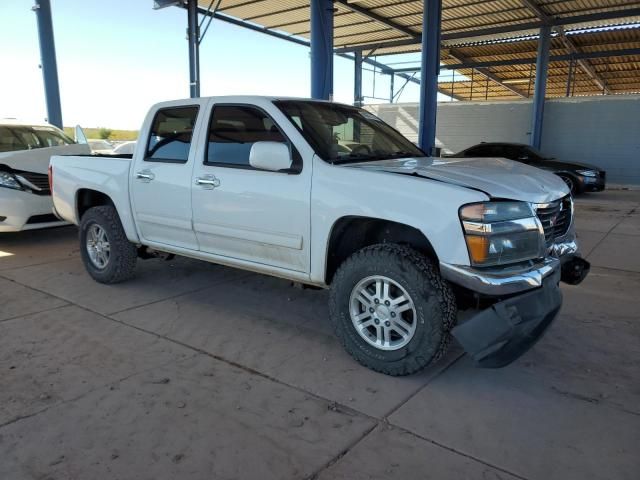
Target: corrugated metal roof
point(367, 24)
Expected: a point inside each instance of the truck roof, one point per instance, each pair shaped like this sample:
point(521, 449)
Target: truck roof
point(257, 97)
point(245, 99)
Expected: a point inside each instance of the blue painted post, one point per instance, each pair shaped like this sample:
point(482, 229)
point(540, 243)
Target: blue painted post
point(429, 71)
point(322, 49)
point(540, 88)
point(193, 35)
point(357, 79)
point(48, 62)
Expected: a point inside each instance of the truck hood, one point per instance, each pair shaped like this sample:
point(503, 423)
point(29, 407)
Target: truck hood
point(497, 177)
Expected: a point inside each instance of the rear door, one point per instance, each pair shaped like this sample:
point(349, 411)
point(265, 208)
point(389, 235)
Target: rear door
point(244, 213)
point(161, 177)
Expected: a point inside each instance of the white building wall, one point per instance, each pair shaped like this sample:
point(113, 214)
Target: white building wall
point(604, 131)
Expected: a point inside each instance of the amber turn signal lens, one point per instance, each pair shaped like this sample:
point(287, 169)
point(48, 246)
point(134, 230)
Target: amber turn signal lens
point(478, 248)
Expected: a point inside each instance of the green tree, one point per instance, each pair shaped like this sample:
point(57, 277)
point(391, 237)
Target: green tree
point(104, 133)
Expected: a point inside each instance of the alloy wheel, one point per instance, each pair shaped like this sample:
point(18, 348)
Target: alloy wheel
point(98, 246)
point(383, 313)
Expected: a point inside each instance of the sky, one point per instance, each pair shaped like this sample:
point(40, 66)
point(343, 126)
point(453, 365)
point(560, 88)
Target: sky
point(116, 58)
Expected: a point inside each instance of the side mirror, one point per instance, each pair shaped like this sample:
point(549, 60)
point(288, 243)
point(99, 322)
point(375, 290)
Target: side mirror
point(272, 156)
point(79, 136)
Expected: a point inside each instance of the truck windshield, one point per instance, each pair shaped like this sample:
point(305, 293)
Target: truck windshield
point(343, 134)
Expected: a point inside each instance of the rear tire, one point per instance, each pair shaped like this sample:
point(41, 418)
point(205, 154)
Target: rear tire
point(392, 288)
point(106, 252)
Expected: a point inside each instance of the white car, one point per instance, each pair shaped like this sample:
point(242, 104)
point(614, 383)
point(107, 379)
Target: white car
point(101, 147)
point(25, 150)
point(402, 240)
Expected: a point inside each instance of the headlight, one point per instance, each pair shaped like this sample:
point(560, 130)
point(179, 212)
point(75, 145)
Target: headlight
point(7, 180)
point(588, 173)
point(499, 233)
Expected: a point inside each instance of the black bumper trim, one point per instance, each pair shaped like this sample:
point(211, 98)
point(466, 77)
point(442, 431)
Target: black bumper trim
point(499, 335)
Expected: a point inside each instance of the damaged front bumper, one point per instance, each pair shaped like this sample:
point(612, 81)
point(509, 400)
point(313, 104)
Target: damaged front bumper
point(528, 299)
point(503, 281)
point(497, 336)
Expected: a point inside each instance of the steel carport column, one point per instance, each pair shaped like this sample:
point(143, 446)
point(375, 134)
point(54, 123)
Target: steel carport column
point(322, 49)
point(357, 79)
point(429, 71)
point(392, 87)
point(48, 62)
point(193, 35)
point(540, 89)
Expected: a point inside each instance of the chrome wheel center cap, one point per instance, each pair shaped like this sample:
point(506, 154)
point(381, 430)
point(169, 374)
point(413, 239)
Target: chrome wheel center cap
point(383, 312)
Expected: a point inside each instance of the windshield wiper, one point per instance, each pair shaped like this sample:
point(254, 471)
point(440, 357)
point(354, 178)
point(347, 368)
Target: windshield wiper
point(401, 154)
point(364, 157)
point(354, 157)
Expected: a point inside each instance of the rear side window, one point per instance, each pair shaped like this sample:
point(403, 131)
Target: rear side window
point(232, 132)
point(171, 134)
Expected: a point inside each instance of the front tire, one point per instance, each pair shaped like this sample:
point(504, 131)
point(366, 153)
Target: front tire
point(391, 309)
point(107, 254)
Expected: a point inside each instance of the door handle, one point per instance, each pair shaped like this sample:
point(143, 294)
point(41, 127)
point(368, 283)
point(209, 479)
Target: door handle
point(208, 181)
point(145, 175)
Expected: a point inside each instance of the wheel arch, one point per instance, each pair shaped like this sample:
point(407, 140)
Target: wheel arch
point(87, 198)
point(352, 233)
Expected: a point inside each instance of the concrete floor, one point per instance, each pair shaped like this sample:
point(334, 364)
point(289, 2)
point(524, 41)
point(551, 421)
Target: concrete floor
point(195, 371)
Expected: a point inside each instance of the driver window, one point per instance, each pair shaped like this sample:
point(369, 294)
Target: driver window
point(232, 132)
point(171, 133)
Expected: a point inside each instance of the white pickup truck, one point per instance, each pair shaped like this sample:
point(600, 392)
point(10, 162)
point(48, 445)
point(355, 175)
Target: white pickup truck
point(328, 195)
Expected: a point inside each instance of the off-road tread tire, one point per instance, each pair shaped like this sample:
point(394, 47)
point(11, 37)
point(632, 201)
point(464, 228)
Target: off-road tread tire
point(429, 347)
point(124, 254)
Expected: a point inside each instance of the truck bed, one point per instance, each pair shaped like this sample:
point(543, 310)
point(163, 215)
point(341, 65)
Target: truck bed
point(106, 174)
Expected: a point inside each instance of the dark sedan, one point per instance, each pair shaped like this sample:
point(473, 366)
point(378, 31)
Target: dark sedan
point(579, 177)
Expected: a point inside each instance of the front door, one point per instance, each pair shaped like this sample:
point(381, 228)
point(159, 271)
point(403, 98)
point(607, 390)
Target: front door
point(244, 213)
point(161, 183)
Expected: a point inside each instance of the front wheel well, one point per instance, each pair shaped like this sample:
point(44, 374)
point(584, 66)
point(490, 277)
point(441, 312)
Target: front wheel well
point(350, 234)
point(87, 198)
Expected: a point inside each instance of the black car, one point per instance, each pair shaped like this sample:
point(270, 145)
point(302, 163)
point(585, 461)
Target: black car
point(579, 177)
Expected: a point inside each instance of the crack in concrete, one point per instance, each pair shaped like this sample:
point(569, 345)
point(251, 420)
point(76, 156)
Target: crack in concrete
point(51, 309)
point(59, 260)
point(88, 392)
point(421, 387)
point(627, 215)
point(340, 455)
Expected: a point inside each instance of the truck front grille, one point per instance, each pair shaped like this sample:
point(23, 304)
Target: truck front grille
point(555, 218)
